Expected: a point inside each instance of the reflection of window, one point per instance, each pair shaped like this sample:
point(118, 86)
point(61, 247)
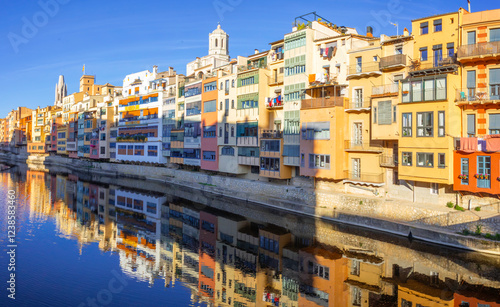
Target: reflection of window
point(406, 158)
point(355, 265)
point(356, 296)
point(425, 159)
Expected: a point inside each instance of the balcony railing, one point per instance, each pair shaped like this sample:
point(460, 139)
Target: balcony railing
point(364, 177)
point(325, 102)
point(388, 161)
point(271, 134)
point(385, 90)
point(364, 69)
point(359, 145)
point(358, 105)
point(473, 95)
point(275, 80)
point(250, 67)
point(443, 65)
point(393, 61)
point(488, 49)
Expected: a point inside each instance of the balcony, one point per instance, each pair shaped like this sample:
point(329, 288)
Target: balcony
point(276, 80)
point(358, 106)
point(274, 105)
point(391, 62)
point(388, 161)
point(325, 102)
point(244, 68)
point(244, 160)
point(364, 70)
point(359, 145)
point(433, 66)
point(385, 90)
point(138, 120)
point(364, 177)
point(474, 96)
point(250, 141)
point(271, 134)
point(130, 138)
point(489, 50)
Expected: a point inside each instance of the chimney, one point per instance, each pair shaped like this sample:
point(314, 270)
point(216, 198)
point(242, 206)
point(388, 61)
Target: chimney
point(256, 51)
point(369, 31)
point(155, 70)
point(171, 71)
point(406, 32)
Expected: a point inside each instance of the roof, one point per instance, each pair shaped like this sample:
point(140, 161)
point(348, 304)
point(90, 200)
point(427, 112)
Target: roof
point(258, 54)
point(345, 36)
point(277, 42)
point(434, 16)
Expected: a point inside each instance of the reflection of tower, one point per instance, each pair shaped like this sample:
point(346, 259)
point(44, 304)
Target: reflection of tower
point(61, 91)
point(218, 44)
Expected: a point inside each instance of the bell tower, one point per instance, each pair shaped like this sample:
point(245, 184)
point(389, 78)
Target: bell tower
point(218, 42)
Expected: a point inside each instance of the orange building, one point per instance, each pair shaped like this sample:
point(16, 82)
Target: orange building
point(210, 156)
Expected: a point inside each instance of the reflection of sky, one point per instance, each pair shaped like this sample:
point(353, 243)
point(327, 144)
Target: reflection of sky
point(50, 270)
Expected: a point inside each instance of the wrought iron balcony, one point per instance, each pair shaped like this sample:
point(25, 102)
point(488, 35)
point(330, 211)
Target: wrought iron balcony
point(271, 134)
point(480, 50)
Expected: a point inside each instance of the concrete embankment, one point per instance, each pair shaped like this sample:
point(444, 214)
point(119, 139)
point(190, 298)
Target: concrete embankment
point(437, 225)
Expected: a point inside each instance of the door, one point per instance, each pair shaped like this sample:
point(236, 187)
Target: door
point(357, 134)
point(356, 168)
point(483, 171)
point(438, 56)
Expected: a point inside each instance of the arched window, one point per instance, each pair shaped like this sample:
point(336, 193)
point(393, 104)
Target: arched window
point(215, 42)
point(222, 43)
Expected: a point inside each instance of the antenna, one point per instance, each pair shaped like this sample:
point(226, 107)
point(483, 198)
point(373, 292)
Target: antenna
point(397, 27)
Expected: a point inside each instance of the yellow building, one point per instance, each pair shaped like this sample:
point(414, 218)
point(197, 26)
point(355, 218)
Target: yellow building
point(429, 116)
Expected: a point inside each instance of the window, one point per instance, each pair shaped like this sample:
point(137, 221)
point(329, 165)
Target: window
point(407, 124)
point(423, 54)
point(209, 131)
point(232, 131)
point(471, 85)
point(398, 49)
point(425, 159)
point(209, 155)
point(248, 81)
point(494, 123)
point(495, 84)
point(471, 37)
point(384, 112)
point(495, 35)
point(438, 25)
point(441, 160)
point(434, 188)
point(450, 47)
point(375, 58)
point(220, 106)
point(355, 266)
point(406, 158)
point(212, 86)
point(441, 129)
point(424, 28)
point(425, 124)
point(356, 296)
point(227, 151)
point(464, 171)
point(375, 115)
point(358, 64)
point(220, 131)
point(318, 270)
point(405, 303)
point(319, 161)
point(270, 164)
point(471, 125)
point(232, 104)
point(221, 86)
point(270, 145)
point(232, 83)
point(358, 97)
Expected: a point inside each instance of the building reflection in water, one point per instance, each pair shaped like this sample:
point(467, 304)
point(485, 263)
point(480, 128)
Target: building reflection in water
point(230, 260)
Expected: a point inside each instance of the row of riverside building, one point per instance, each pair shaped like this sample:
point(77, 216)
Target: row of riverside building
point(411, 116)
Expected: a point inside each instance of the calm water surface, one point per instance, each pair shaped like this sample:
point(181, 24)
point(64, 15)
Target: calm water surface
point(84, 241)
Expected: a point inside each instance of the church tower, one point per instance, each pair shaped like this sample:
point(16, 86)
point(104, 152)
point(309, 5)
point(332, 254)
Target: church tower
point(61, 91)
point(218, 43)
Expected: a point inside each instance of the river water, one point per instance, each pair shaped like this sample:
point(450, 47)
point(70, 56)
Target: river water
point(87, 241)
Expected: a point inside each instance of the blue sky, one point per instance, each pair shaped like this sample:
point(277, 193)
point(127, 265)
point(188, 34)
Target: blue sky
point(116, 38)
